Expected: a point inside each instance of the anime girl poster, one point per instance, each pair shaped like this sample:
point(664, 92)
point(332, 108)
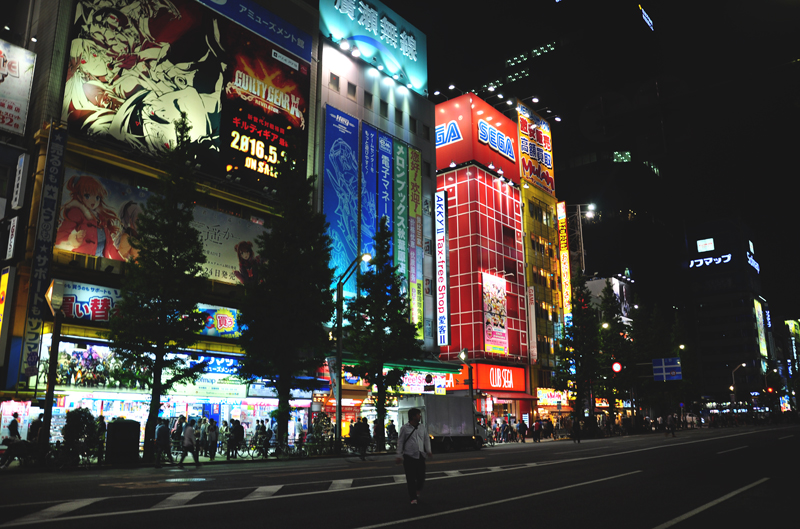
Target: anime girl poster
point(135, 66)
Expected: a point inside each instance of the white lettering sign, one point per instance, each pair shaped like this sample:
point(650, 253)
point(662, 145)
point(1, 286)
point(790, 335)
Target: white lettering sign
point(442, 294)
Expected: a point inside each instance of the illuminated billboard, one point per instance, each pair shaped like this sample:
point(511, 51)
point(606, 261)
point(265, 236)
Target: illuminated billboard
point(762, 335)
point(442, 272)
point(382, 37)
point(535, 150)
point(495, 332)
point(469, 129)
point(98, 216)
point(133, 73)
point(563, 254)
point(16, 78)
point(488, 377)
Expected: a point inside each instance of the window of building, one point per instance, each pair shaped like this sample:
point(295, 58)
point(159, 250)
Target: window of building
point(351, 91)
point(412, 124)
point(398, 116)
point(333, 82)
point(368, 100)
point(384, 111)
point(426, 132)
point(426, 168)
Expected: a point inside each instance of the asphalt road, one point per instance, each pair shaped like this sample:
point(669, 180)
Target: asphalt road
point(733, 477)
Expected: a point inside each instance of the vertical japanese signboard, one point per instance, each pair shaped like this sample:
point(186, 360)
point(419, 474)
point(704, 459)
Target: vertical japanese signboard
point(6, 298)
point(533, 349)
point(495, 336)
point(43, 250)
point(563, 254)
point(415, 236)
point(385, 178)
point(442, 273)
point(340, 203)
point(401, 211)
point(369, 207)
point(16, 78)
point(535, 150)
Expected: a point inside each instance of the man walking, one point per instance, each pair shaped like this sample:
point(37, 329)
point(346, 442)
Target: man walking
point(163, 442)
point(413, 447)
point(189, 444)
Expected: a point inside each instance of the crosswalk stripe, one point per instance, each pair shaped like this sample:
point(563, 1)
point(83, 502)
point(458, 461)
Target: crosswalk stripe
point(175, 500)
point(341, 484)
point(56, 510)
point(452, 473)
point(263, 492)
point(399, 478)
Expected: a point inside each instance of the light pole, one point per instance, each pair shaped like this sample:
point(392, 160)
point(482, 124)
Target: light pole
point(733, 383)
point(365, 257)
point(590, 209)
point(55, 298)
point(463, 356)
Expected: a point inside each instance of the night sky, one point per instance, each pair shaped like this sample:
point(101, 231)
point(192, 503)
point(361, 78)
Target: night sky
point(729, 83)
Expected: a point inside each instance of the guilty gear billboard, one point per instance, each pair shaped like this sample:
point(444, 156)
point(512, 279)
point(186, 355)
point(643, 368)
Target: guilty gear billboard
point(135, 66)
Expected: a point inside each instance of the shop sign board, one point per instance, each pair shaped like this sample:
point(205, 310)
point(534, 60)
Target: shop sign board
point(551, 397)
point(535, 150)
point(563, 253)
point(382, 37)
point(442, 270)
point(16, 79)
point(245, 93)
point(6, 306)
point(488, 377)
point(400, 213)
point(43, 250)
point(20, 182)
point(369, 190)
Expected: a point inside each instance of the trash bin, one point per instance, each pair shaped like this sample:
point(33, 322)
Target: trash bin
point(122, 443)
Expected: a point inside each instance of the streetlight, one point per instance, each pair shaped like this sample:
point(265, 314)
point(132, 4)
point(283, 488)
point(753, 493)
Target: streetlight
point(733, 383)
point(365, 257)
point(55, 298)
point(463, 356)
point(590, 209)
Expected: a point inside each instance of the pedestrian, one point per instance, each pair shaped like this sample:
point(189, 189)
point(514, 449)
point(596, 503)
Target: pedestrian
point(298, 430)
point(391, 430)
point(237, 436)
point(212, 433)
point(576, 431)
point(189, 444)
point(224, 435)
point(33, 429)
point(670, 426)
point(13, 427)
point(163, 442)
point(203, 436)
point(504, 432)
point(413, 447)
point(522, 428)
point(359, 436)
point(537, 431)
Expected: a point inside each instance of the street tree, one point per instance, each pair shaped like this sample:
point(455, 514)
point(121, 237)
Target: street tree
point(156, 318)
point(615, 346)
point(381, 334)
point(578, 364)
point(289, 302)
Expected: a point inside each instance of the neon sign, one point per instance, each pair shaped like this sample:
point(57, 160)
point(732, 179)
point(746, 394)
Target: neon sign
point(563, 247)
point(752, 262)
point(497, 140)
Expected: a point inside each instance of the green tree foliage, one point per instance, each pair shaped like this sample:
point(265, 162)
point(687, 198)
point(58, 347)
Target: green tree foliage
point(157, 315)
point(287, 307)
point(381, 332)
point(578, 363)
point(80, 427)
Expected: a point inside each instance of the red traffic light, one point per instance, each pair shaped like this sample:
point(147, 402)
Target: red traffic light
point(770, 390)
point(616, 367)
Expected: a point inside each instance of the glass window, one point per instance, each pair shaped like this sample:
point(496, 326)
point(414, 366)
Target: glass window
point(333, 83)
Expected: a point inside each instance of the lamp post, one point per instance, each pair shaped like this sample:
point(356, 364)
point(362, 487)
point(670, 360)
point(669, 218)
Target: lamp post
point(365, 257)
point(463, 356)
point(55, 298)
point(590, 209)
point(733, 383)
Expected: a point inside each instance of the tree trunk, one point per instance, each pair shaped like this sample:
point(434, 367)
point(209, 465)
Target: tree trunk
point(380, 406)
point(148, 454)
point(284, 393)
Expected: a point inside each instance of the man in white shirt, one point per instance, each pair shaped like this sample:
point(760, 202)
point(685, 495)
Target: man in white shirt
point(189, 444)
point(413, 447)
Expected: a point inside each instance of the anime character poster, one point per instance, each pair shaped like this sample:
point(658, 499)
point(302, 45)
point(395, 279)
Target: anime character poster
point(494, 313)
point(135, 66)
point(98, 217)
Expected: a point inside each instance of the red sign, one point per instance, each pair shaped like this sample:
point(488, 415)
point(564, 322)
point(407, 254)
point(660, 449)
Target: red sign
point(488, 378)
point(469, 129)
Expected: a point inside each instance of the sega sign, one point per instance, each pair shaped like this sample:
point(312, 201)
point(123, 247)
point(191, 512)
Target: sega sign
point(470, 130)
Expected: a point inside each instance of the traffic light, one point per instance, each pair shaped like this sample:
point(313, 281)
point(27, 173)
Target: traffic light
point(616, 367)
point(770, 390)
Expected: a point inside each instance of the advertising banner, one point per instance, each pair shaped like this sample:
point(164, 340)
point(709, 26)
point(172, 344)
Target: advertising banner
point(415, 239)
point(488, 377)
point(469, 129)
point(401, 211)
point(563, 254)
point(369, 183)
point(340, 202)
point(99, 215)
point(533, 349)
point(6, 305)
point(43, 250)
point(221, 322)
point(494, 314)
point(441, 249)
point(381, 36)
point(16, 78)
point(133, 72)
point(551, 397)
point(535, 150)
point(385, 180)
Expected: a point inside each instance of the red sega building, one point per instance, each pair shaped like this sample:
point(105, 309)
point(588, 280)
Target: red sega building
point(477, 160)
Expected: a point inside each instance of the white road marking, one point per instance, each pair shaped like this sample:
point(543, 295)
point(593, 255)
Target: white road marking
point(452, 473)
point(399, 478)
point(732, 450)
point(496, 502)
point(178, 499)
point(263, 492)
point(341, 484)
point(56, 510)
point(709, 505)
point(784, 437)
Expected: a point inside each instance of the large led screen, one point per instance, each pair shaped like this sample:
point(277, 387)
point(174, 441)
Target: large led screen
point(135, 68)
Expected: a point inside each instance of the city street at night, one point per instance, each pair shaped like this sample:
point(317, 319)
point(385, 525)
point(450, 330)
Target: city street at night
point(727, 477)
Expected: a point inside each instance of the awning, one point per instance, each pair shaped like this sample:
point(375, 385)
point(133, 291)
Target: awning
point(509, 395)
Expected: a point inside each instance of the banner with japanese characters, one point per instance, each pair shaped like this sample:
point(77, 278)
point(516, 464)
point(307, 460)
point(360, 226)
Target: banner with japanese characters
point(133, 72)
point(220, 321)
point(401, 211)
point(98, 217)
point(16, 79)
point(369, 189)
point(535, 150)
point(415, 239)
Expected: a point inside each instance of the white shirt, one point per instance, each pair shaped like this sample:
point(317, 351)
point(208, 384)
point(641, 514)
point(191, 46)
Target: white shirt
point(413, 443)
point(188, 436)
